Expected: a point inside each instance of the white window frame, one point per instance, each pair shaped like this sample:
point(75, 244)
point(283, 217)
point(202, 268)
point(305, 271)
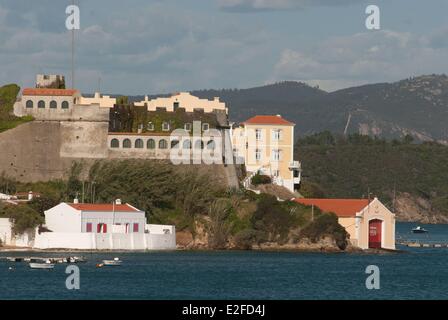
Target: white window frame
point(205, 124)
point(163, 126)
point(150, 126)
point(258, 134)
point(258, 155)
point(276, 155)
point(277, 134)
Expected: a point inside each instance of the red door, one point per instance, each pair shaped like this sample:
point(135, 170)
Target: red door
point(375, 233)
point(104, 228)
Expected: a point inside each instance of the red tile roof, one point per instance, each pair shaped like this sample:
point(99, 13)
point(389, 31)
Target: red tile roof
point(268, 120)
point(48, 92)
point(341, 207)
point(103, 207)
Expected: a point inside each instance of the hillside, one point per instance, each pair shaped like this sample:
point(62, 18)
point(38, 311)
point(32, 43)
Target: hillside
point(416, 106)
point(343, 168)
point(207, 215)
point(8, 95)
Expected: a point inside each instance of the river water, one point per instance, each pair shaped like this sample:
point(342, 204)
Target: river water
point(417, 273)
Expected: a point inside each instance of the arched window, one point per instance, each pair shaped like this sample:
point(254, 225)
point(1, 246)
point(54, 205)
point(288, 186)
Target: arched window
point(29, 103)
point(64, 105)
point(163, 144)
point(53, 104)
point(211, 145)
point(138, 143)
point(114, 143)
point(41, 104)
point(151, 144)
point(187, 144)
point(199, 144)
point(127, 143)
point(174, 144)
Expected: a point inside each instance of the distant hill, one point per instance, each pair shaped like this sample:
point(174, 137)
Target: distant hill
point(416, 106)
point(416, 175)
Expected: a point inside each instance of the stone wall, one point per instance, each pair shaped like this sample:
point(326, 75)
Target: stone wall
point(45, 150)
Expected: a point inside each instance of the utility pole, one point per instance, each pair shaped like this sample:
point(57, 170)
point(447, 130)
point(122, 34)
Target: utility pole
point(82, 199)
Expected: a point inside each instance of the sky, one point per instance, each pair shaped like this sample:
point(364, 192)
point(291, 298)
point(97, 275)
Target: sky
point(160, 46)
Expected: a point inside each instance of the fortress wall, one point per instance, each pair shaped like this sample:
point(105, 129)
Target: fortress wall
point(45, 150)
point(82, 139)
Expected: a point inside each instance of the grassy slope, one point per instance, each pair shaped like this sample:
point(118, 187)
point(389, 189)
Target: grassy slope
point(8, 95)
point(351, 169)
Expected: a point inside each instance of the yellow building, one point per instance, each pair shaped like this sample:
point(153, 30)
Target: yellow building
point(183, 100)
point(369, 224)
point(266, 144)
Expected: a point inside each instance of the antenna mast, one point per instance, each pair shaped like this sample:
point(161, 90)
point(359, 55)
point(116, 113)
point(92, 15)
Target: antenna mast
point(73, 53)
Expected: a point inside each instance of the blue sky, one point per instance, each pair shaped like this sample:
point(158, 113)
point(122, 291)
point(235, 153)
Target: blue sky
point(155, 46)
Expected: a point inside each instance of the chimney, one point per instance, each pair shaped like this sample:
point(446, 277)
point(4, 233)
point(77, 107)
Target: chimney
point(118, 201)
point(75, 201)
point(279, 115)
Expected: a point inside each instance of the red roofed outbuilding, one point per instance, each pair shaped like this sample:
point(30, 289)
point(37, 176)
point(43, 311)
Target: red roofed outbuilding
point(95, 218)
point(370, 225)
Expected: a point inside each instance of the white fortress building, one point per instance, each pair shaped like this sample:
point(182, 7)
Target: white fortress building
point(113, 226)
point(183, 100)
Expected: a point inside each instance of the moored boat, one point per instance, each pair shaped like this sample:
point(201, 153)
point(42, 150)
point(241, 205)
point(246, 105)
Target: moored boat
point(34, 265)
point(419, 229)
point(115, 262)
point(14, 259)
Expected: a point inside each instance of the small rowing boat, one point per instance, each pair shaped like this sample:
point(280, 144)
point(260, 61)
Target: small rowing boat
point(115, 262)
point(34, 265)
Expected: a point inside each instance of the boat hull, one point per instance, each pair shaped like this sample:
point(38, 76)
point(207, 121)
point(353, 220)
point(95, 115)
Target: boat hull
point(41, 265)
point(111, 263)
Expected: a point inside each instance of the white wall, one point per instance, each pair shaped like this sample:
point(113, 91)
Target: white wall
point(64, 240)
point(5, 231)
point(105, 241)
point(109, 218)
point(160, 229)
point(9, 239)
point(63, 218)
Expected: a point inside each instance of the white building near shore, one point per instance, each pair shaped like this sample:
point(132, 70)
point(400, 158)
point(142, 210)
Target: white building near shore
point(112, 226)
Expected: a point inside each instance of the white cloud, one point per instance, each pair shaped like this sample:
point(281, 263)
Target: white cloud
point(362, 58)
point(265, 5)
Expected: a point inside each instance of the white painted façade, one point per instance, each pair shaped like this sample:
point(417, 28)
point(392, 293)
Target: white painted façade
point(113, 226)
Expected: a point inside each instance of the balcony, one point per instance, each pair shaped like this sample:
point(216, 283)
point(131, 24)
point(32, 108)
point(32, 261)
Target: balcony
point(295, 165)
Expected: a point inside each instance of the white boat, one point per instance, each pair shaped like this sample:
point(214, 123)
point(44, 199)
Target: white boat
point(115, 262)
point(419, 229)
point(34, 265)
